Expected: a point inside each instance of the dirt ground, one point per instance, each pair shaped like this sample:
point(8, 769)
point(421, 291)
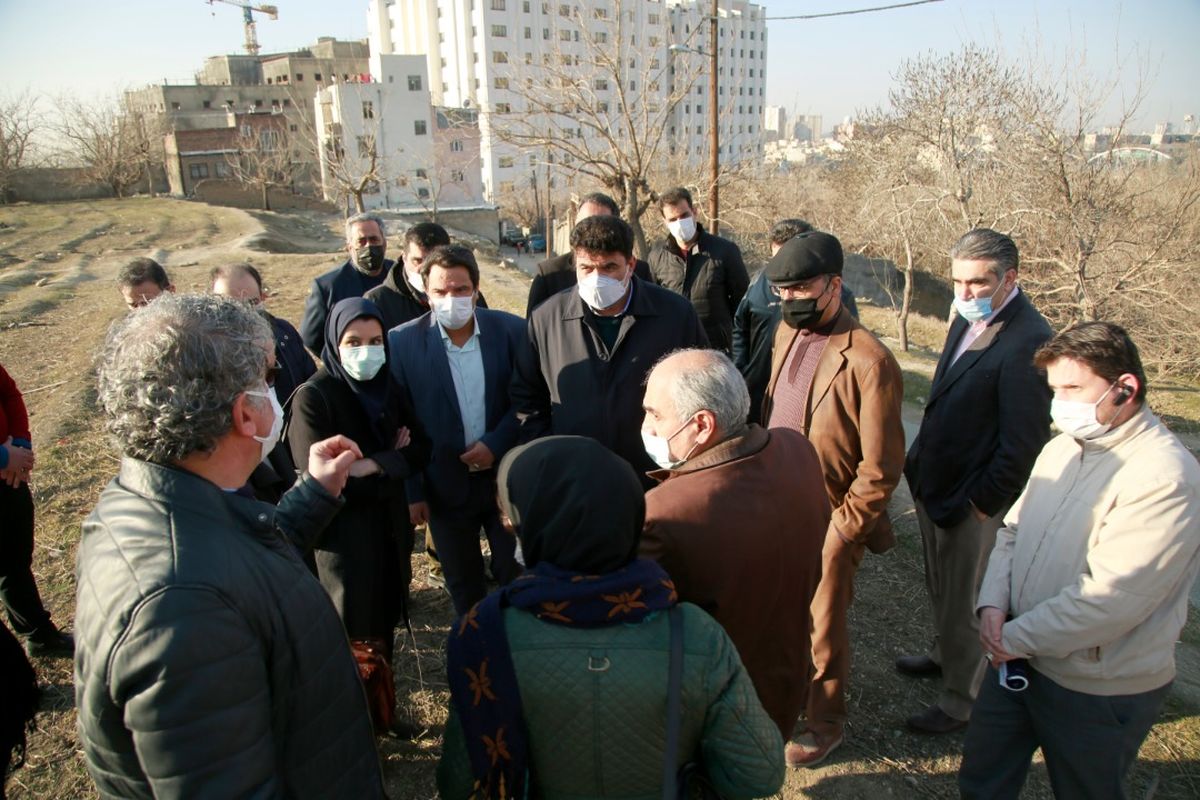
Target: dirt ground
point(57, 299)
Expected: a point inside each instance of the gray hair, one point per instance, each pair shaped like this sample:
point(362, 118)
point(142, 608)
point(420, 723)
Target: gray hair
point(985, 244)
point(170, 373)
point(715, 385)
point(366, 216)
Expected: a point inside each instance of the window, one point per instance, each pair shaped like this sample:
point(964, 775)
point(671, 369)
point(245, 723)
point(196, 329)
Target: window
point(317, 77)
point(546, 34)
point(652, 19)
point(443, 63)
point(198, 170)
point(500, 83)
point(503, 108)
point(365, 146)
point(564, 36)
point(414, 81)
point(422, 173)
point(497, 5)
point(600, 84)
point(368, 110)
point(423, 193)
point(500, 31)
point(286, 102)
point(174, 106)
point(456, 146)
point(600, 37)
point(293, 128)
point(600, 13)
point(564, 11)
point(299, 77)
point(499, 57)
point(420, 127)
point(602, 108)
point(208, 103)
point(525, 6)
point(222, 170)
point(505, 162)
point(528, 58)
point(456, 175)
point(528, 33)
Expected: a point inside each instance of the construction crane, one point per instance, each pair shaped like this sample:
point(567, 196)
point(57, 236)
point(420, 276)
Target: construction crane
point(248, 17)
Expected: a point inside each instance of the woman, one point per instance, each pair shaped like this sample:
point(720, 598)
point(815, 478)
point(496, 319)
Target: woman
point(363, 556)
point(559, 681)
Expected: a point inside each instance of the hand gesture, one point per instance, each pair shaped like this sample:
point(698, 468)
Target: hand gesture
point(330, 461)
point(478, 456)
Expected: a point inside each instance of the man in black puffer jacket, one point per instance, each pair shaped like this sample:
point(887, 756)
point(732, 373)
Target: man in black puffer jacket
point(209, 661)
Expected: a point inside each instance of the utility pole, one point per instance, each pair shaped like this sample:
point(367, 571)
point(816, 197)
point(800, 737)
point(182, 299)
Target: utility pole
point(714, 120)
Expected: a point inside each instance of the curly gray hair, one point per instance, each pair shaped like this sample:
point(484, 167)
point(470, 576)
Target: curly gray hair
point(170, 372)
point(709, 383)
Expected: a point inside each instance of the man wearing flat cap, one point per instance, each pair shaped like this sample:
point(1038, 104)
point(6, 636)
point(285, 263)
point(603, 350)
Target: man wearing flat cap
point(833, 381)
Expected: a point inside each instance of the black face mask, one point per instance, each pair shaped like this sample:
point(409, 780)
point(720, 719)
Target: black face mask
point(804, 313)
point(369, 258)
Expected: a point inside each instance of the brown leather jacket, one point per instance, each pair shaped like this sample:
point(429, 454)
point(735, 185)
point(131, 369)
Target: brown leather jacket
point(854, 424)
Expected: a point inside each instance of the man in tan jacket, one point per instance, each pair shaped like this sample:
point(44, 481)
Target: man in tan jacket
point(838, 385)
point(738, 521)
point(1092, 573)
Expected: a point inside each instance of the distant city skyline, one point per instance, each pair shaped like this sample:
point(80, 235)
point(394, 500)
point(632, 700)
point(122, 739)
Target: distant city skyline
point(827, 67)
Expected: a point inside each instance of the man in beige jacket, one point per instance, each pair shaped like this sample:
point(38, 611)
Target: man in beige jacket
point(1087, 587)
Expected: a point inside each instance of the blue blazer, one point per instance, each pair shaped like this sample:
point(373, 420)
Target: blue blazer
point(422, 370)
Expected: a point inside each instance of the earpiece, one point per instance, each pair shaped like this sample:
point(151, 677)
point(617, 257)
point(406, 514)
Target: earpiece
point(1123, 394)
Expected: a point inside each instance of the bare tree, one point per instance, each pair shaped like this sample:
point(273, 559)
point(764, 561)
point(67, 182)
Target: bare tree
point(107, 143)
point(20, 123)
point(265, 159)
point(597, 107)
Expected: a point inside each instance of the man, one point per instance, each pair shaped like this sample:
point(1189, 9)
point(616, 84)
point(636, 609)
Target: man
point(839, 386)
point(210, 662)
point(18, 590)
point(704, 268)
point(366, 241)
point(986, 419)
point(738, 521)
point(558, 273)
point(589, 350)
point(466, 355)
point(294, 364)
point(142, 280)
point(1092, 570)
point(757, 317)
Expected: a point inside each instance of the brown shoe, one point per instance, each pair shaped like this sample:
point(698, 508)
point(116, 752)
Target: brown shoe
point(919, 667)
point(809, 751)
point(934, 721)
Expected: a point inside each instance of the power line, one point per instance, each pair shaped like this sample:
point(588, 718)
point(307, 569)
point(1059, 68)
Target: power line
point(858, 10)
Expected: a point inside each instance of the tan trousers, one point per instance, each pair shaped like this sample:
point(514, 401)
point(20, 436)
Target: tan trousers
point(955, 561)
point(825, 710)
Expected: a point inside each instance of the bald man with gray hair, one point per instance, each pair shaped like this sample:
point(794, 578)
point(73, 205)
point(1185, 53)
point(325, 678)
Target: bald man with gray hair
point(738, 506)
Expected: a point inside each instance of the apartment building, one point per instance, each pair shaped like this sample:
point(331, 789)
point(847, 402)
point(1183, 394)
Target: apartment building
point(512, 60)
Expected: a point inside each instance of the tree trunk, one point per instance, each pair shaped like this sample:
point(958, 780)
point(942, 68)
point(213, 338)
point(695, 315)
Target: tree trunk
point(640, 247)
point(266, 197)
point(359, 205)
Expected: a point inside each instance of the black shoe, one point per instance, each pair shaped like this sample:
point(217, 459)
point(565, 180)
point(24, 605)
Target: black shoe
point(919, 666)
point(934, 721)
point(54, 644)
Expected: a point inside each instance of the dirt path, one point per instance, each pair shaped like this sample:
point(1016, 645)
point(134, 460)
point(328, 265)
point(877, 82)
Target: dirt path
point(57, 298)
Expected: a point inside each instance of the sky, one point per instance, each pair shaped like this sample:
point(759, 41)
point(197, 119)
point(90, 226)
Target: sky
point(830, 67)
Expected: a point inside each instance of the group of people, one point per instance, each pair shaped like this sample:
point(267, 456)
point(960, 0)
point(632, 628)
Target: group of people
point(678, 472)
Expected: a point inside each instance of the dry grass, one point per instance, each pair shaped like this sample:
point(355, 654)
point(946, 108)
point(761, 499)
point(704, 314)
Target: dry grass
point(48, 334)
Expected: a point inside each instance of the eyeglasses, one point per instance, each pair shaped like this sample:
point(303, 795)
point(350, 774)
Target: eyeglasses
point(806, 288)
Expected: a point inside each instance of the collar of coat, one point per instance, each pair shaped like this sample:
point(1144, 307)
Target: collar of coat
point(700, 242)
point(640, 305)
point(736, 447)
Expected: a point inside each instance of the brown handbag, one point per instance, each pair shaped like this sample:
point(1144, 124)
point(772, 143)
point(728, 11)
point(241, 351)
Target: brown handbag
point(376, 673)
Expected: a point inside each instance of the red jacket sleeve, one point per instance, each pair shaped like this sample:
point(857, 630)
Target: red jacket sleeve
point(14, 420)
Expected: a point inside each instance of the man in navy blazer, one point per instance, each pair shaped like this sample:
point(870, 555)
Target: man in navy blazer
point(366, 241)
point(455, 363)
point(986, 419)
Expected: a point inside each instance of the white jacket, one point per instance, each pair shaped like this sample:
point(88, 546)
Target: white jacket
point(1097, 558)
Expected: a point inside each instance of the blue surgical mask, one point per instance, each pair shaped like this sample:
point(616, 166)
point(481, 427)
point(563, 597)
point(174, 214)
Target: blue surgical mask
point(362, 363)
point(975, 309)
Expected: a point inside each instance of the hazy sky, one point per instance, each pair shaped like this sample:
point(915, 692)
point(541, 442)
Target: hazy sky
point(826, 66)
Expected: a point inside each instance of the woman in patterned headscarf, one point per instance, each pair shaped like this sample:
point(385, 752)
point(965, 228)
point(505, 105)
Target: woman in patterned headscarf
point(559, 681)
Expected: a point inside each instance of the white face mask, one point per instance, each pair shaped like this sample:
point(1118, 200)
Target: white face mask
point(683, 229)
point(269, 441)
point(415, 281)
point(453, 312)
point(1078, 420)
point(600, 291)
point(362, 363)
point(659, 448)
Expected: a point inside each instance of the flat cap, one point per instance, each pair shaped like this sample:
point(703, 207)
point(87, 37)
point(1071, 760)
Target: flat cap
point(805, 256)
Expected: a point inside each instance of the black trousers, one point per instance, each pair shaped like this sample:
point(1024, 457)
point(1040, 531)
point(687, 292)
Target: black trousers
point(18, 591)
point(1089, 741)
point(455, 532)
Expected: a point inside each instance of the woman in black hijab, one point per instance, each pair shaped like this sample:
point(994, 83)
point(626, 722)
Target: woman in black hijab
point(363, 556)
point(558, 680)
